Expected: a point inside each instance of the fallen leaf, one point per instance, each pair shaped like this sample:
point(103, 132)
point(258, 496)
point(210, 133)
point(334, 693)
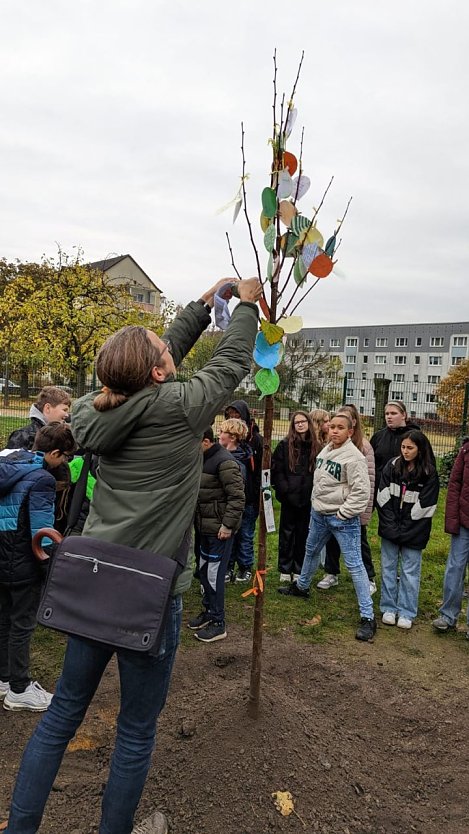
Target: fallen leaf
point(283, 801)
point(314, 621)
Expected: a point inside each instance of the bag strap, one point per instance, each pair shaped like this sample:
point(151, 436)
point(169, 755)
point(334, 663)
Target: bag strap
point(79, 493)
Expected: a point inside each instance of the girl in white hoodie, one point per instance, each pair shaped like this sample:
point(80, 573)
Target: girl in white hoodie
point(340, 494)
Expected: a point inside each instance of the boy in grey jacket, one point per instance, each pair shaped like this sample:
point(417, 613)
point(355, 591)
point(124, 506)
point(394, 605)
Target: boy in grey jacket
point(340, 494)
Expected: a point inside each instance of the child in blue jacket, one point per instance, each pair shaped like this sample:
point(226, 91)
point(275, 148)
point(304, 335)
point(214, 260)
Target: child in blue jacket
point(27, 496)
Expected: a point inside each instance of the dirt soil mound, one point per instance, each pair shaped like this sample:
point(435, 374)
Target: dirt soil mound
point(368, 739)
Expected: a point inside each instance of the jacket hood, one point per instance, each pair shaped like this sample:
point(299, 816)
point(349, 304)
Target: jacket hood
point(242, 453)
point(242, 408)
point(38, 415)
point(15, 466)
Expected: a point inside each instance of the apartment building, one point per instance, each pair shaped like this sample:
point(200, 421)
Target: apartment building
point(414, 357)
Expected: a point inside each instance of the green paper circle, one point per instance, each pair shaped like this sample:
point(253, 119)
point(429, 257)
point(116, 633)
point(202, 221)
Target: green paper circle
point(267, 381)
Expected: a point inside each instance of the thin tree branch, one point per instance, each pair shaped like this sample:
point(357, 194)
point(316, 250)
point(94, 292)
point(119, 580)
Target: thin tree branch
point(297, 77)
point(245, 206)
point(232, 257)
point(343, 217)
point(302, 299)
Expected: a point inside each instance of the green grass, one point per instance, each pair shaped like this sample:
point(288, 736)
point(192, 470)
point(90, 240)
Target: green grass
point(287, 615)
point(7, 424)
point(338, 606)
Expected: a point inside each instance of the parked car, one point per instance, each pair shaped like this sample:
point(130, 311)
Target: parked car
point(13, 388)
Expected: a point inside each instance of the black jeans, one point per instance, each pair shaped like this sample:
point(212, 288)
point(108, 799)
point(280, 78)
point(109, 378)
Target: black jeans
point(292, 535)
point(332, 563)
point(18, 610)
point(214, 556)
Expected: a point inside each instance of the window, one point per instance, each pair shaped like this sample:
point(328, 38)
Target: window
point(397, 395)
point(401, 341)
point(433, 379)
point(418, 341)
point(350, 358)
point(400, 360)
point(362, 410)
point(380, 359)
point(379, 376)
point(362, 393)
point(414, 397)
point(456, 360)
point(416, 377)
point(416, 360)
point(139, 297)
point(350, 375)
point(352, 342)
point(460, 341)
point(363, 374)
point(366, 342)
point(321, 342)
point(436, 341)
point(430, 398)
point(381, 342)
point(308, 374)
point(309, 343)
point(434, 360)
point(365, 359)
point(413, 413)
point(349, 392)
point(334, 342)
point(398, 377)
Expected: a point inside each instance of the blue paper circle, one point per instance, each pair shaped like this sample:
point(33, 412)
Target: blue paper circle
point(265, 355)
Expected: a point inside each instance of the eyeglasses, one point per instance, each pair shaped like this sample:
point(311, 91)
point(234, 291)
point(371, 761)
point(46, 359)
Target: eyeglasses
point(299, 422)
point(168, 347)
point(68, 455)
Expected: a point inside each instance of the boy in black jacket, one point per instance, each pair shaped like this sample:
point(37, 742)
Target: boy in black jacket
point(218, 515)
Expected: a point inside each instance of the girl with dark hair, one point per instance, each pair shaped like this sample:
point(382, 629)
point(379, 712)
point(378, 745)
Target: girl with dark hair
point(407, 499)
point(293, 463)
point(386, 442)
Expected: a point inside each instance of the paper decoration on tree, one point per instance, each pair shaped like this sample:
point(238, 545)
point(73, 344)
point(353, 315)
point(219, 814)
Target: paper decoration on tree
point(287, 212)
point(269, 202)
point(290, 324)
point(300, 186)
point(290, 162)
point(273, 333)
point(267, 381)
point(266, 355)
point(269, 238)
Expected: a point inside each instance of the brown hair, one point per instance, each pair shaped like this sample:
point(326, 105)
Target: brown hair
point(345, 414)
point(318, 418)
point(294, 442)
point(54, 436)
point(52, 395)
point(235, 427)
point(124, 365)
point(357, 436)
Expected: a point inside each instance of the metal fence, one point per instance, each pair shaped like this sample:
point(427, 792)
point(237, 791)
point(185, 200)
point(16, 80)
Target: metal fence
point(328, 391)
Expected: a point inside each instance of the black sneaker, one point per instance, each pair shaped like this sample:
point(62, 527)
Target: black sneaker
point(229, 577)
point(200, 621)
point(214, 631)
point(243, 576)
point(293, 590)
point(366, 630)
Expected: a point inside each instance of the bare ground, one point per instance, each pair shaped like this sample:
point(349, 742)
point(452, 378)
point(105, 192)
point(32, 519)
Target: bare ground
point(368, 738)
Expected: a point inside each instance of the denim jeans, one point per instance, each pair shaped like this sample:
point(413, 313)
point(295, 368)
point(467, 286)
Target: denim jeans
point(453, 587)
point(400, 597)
point(18, 610)
point(347, 534)
point(144, 683)
point(214, 556)
point(243, 548)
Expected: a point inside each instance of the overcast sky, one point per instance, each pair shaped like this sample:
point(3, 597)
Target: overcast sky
point(120, 132)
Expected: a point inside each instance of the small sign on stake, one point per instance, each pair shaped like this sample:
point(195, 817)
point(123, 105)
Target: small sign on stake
point(267, 502)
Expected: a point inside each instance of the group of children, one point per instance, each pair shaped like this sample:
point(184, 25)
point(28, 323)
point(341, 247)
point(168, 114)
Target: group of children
point(34, 481)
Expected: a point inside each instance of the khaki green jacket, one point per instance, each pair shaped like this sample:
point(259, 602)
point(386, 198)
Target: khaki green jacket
point(150, 446)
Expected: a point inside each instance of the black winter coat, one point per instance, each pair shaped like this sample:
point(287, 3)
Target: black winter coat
point(457, 499)
point(406, 506)
point(387, 445)
point(23, 438)
point(293, 488)
point(221, 495)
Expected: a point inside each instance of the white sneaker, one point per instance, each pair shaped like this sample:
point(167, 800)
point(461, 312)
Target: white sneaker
point(4, 687)
point(156, 824)
point(296, 576)
point(389, 618)
point(404, 622)
point(373, 587)
point(34, 698)
point(328, 581)
point(285, 577)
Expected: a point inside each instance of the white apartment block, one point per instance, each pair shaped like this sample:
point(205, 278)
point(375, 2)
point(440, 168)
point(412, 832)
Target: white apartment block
point(414, 357)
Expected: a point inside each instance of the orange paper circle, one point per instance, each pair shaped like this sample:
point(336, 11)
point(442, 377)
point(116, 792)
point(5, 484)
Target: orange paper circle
point(290, 162)
point(321, 267)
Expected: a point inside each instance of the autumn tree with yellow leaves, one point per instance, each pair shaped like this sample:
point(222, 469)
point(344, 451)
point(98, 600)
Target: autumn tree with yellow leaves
point(60, 312)
point(451, 392)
